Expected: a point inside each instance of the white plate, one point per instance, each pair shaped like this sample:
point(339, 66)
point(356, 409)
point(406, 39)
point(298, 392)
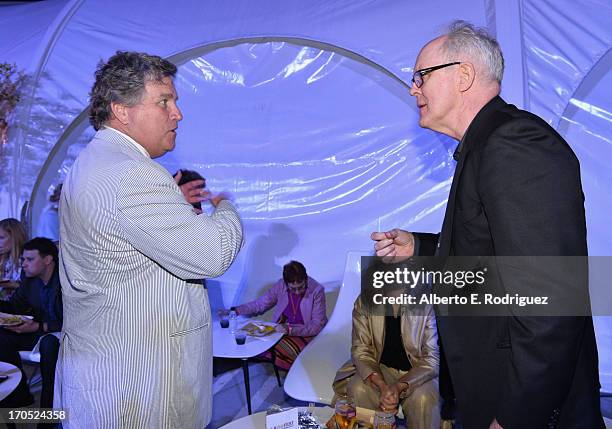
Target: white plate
point(15, 323)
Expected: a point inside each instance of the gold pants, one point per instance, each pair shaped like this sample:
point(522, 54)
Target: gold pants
point(421, 408)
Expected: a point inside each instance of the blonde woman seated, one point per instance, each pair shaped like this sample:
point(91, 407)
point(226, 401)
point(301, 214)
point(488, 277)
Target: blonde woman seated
point(394, 361)
point(300, 312)
point(12, 238)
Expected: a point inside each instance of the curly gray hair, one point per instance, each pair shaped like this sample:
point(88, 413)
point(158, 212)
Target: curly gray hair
point(122, 80)
point(465, 40)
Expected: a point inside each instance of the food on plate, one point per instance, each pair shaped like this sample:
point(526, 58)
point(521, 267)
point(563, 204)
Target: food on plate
point(258, 329)
point(10, 319)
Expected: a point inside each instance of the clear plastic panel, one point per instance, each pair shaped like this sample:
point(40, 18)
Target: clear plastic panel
point(318, 149)
point(567, 52)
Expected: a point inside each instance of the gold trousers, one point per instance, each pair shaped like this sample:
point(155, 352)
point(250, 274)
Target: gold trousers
point(421, 408)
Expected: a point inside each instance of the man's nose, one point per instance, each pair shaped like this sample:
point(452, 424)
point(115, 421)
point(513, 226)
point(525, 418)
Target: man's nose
point(177, 115)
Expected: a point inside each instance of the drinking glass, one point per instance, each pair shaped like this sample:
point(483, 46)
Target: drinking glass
point(345, 411)
point(384, 420)
point(223, 320)
point(240, 337)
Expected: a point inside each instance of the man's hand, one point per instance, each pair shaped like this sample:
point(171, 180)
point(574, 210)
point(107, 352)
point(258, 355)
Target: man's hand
point(193, 191)
point(394, 245)
point(27, 327)
point(389, 397)
point(216, 199)
point(495, 425)
point(376, 380)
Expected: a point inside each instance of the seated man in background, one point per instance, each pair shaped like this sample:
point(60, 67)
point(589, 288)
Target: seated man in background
point(38, 296)
point(394, 360)
point(300, 312)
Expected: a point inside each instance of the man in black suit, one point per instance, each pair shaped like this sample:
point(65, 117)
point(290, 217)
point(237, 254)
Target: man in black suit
point(516, 192)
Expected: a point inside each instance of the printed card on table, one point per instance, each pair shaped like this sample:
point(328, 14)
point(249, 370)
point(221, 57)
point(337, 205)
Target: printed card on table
point(283, 420)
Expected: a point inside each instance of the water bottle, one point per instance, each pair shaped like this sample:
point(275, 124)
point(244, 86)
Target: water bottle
point(384, 420)
point(232, 321)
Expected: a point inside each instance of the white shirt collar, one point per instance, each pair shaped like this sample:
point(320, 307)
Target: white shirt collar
point(131, 140)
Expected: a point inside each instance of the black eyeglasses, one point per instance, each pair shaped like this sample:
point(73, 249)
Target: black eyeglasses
point(417, 76)
point(297, 288)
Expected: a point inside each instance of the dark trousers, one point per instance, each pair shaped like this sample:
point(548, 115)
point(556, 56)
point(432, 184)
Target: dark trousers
point(49, 349)
point(10, 345)
point(447, 393)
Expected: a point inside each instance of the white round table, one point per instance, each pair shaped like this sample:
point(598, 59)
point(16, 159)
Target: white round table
point(14, 377)
point(224, 346)
point(258, 420)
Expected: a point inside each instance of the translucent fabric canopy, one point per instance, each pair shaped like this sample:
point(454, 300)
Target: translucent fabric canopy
point(301, 110)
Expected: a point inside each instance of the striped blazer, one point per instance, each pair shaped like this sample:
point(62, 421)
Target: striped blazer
point(136, 342)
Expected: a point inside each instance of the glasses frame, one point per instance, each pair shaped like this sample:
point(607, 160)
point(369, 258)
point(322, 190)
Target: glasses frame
point(424, 72)
point(302, 288)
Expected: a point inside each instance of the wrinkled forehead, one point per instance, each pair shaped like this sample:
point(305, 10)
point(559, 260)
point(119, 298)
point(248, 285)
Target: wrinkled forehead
point(166, 81)
point(431, 54)
point(155, 87)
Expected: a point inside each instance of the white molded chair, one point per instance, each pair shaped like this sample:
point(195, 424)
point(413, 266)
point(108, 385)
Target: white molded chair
point(32, 358)
point(311, 375)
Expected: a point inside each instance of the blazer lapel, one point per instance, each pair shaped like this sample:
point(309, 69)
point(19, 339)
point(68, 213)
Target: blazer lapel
point(487, 119)
point(444, 243)
point(378, 333)
point(306, 305)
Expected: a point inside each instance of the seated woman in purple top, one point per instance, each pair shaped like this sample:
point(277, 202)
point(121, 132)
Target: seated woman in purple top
point(300, 312)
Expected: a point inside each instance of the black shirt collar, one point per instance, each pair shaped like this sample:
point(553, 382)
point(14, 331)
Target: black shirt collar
point(481, 117)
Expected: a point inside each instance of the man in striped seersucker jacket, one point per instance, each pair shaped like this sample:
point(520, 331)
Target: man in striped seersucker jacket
point(136, 344)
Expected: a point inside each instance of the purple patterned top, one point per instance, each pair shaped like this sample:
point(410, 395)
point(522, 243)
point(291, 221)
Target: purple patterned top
point(292, 312)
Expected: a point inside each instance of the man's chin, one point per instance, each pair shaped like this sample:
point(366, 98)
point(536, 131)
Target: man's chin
point(170, 146)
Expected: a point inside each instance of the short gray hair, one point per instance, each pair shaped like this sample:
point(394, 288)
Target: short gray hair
point(122, 80)
point(465, 40)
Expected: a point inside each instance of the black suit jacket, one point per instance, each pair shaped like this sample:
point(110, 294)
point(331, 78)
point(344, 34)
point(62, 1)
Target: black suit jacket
point(42, 302)
point(517, 192)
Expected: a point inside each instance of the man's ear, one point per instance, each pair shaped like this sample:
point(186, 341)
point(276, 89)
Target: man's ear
point(467, 74)
point(120, 111)
point(47, 259)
